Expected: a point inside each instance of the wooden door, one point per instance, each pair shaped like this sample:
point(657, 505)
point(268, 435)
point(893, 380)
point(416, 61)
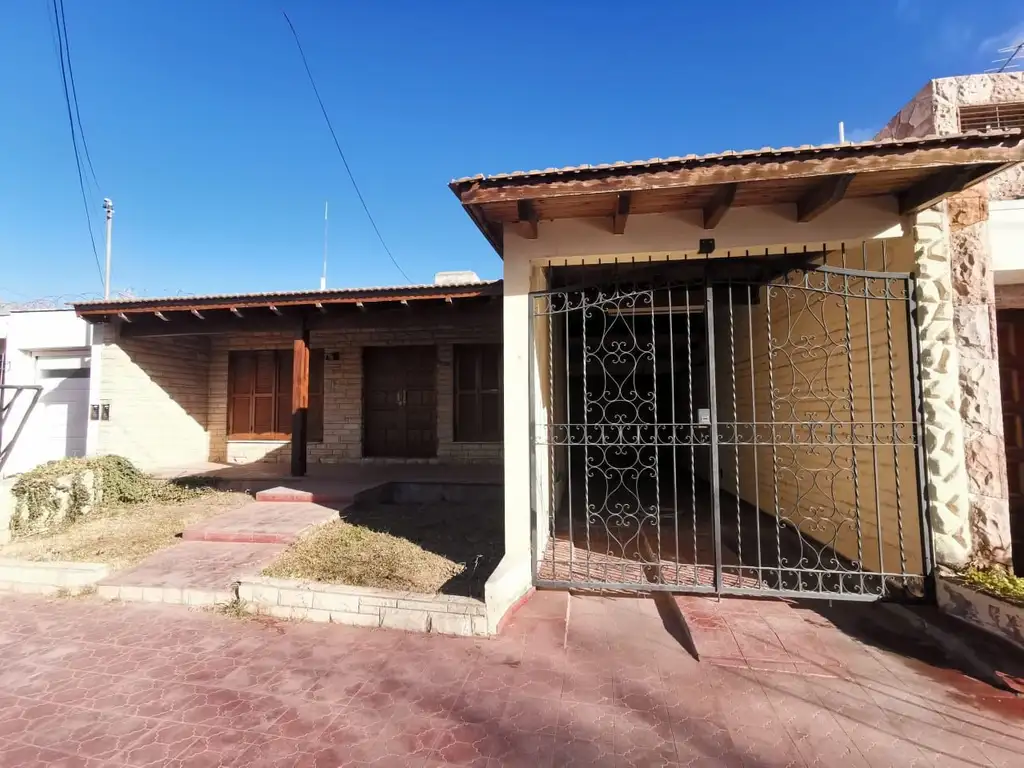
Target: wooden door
point(400, 402)
point(1010, 323)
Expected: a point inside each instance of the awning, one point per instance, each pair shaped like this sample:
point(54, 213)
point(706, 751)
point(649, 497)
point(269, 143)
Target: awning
point(917, 172)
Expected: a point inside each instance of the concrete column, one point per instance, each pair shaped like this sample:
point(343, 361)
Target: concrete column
point(974, 322)
point(513, 578)
point(948, 490)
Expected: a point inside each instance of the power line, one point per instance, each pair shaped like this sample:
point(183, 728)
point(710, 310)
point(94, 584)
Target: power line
point(337, 144)
point(74, 95)
point(74, 142)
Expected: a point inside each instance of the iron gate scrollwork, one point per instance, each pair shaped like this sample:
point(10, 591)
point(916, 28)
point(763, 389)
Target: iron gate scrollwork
point(730, 433)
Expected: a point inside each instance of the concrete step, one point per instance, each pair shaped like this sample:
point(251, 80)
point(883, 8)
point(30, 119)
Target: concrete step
point(262, 522)
point(311, 495)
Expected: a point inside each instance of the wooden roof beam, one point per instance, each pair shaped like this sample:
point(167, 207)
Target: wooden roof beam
point(198, 314)
point(162, 316)
point(823, 196)
point(720, 202)
point(527, 219)
point(622, 206)
point(933, 188)
point(236, 312)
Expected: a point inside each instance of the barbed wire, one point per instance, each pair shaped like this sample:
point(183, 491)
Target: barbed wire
point(57, 301)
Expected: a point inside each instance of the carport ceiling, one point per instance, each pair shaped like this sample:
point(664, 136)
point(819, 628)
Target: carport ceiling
point(917, 172)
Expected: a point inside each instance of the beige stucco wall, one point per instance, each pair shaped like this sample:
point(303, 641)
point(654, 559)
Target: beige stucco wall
point(657, 236)
point(784, 358)
point(343, 390)
point(157, 393)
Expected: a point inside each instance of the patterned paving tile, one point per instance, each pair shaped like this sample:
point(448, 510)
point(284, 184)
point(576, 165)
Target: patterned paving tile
point(587, 681)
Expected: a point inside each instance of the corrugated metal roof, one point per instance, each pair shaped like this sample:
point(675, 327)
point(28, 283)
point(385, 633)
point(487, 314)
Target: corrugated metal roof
point(312, 295)
point(803, 149)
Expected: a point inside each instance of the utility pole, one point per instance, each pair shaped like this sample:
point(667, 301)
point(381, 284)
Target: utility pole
point(108, 206)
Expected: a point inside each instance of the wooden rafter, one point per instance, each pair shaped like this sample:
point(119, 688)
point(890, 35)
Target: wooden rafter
point(162, 316)
point(938, 185)
point(822, 196)
point(527, 219)
point(622, 206)
point(198, 314)
point(720, 202)
point(236, 312)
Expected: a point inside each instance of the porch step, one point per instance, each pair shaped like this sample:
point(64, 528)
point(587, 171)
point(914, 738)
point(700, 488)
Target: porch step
point(282, 493)
point(262, 522)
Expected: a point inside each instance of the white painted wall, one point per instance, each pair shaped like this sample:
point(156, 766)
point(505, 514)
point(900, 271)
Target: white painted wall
point(46, 335)
point(1006, 238)
point(661, 236)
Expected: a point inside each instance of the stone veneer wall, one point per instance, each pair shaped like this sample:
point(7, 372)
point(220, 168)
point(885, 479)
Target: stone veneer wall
point(343, 390)
point(934, 110)
point(948, 494)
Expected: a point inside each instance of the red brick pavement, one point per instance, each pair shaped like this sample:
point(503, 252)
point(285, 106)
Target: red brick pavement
point(573, 681)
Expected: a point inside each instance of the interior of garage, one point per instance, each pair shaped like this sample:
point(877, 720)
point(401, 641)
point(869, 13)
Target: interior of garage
point(743, 423)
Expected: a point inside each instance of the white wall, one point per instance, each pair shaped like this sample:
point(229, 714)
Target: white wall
point(31, 334)
point(1006, 238)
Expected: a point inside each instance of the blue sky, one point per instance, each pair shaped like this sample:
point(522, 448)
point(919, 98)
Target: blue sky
point(204, 131)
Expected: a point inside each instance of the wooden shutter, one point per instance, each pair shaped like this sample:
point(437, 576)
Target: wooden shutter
point(478, 385)
point(241, 375)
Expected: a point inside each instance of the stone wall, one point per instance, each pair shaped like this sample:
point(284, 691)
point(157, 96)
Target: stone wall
point(934, 110)
point(948, 493)
point(974, 322)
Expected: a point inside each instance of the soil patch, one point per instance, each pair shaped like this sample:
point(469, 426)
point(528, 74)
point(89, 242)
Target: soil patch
point(430, 547)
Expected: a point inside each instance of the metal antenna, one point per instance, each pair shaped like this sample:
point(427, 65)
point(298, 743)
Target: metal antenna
point(323, 275)
point(1010, 62)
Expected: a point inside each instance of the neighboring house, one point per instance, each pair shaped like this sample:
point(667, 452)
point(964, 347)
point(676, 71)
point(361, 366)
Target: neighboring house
point(410, 373)
point(987, 244)
point(51, 349)
point(733, 373)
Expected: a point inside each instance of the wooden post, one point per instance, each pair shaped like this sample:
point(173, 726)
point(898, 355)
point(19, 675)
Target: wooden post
point(300, 400)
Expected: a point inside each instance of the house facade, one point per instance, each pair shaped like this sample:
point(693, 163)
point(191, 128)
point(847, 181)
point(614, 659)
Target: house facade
point(812, 440)
point(769, 372)
point(405, 374)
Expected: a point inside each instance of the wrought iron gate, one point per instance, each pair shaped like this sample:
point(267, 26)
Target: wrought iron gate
point(755, 429)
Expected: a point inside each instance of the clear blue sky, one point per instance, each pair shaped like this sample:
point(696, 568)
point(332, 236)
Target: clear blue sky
point(204, 131)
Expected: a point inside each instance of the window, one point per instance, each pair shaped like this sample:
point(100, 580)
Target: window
point(478, 402)
point(988, 117)
point(260, 395)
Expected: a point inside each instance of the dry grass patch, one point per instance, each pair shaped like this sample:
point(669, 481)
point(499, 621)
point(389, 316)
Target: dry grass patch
point(342, 553)
point(122, 536)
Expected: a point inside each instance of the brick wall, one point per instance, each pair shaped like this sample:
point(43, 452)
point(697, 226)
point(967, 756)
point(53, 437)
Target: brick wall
point(157, 392)
point(343, 388)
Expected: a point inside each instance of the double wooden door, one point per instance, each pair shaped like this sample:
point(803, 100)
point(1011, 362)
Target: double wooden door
point(400, 402)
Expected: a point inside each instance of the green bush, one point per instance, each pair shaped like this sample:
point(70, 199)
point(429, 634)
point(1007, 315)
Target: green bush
point(996, 581)
point(117, 482)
